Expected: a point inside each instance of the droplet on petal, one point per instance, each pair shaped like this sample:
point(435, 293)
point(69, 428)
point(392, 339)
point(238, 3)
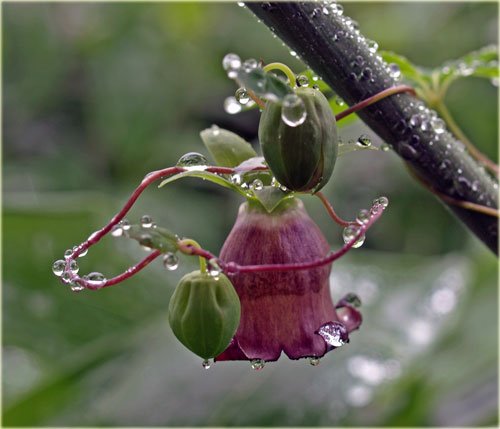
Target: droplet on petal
point(257, 364)
point(334, 333)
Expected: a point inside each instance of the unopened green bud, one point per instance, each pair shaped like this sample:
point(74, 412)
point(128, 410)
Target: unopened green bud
point(299, 140)
point(204, 313)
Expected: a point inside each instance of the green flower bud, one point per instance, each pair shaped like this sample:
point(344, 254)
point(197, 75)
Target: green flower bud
point(204, 313)
point(300, 151)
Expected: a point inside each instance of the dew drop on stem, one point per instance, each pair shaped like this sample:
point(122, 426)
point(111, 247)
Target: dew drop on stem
point(241, 96)
point(146, 221)
point(95, 278)
point(192, 159)
point(58, 267)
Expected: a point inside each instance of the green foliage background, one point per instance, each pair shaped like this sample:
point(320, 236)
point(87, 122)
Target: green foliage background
point(94, 96)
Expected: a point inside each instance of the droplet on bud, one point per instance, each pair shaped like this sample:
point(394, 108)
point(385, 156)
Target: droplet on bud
point(213, 268)
point(257, 364)
point(170, 261)
point(293, 111)
point(146, 221)
point(58, 267)
point(302, 80)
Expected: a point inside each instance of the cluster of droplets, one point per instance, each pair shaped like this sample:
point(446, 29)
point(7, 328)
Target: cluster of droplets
point(352, 230)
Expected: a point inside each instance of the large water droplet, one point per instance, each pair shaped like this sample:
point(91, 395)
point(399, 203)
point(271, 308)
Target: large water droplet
point(146, 221)
point(95, 278)
point(350, 233)
point(82, 253)
point(241, 96)
point(192, 160)
point(73, 267)
point(232, 106)
point(170, 261)
point(293, 111)
point(334, 333)
point(257, 364)
point(364, 141)
point(58, 267)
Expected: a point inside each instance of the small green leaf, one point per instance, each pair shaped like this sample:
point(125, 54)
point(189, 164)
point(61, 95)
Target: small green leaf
point(155, 238)
point(266, 85)
point(409, 71)
point(270, 197)
point(227, 149)
point(205, 175)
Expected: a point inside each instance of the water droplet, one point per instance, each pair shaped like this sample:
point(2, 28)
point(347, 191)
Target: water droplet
point(257, 185)
point(339, 101)
point(257, 364)
point(351, 299)
point(76, 287)
point(383, 201)
point(241, 4)
point(438, 125)
point(236, 179)
point(215, 130)
point(206, 364)
point(213, 268)
point(325, 11)
point(293, 111)
point(384, 147)
point(494, 81)
point(66, 277)
point(314, 361)
point(95, 278)
point(339, 35)
point(364, 141)
point(170, 261)
point(117, 231)
point(363, 216)
point(192, 159)
point(349, 233)
point(58, 267)
point(125, 224)
point(146, 221)
point(372, 46)
point(394, 71)
point(293, 53)
point(366, 73)
point(250, 65)
point(334, 333)
point(284, 188)
point(337, 9)
point(407, 152)
point(73, 267)
point(232, 106)
point(231, 63)
point(241, 96)
point(68, 253)
point(302, 80)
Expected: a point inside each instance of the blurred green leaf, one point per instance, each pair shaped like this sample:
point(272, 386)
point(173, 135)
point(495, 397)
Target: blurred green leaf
point(227, 149)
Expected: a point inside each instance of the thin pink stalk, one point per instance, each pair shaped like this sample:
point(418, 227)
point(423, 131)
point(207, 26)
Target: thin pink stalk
point(374, 98)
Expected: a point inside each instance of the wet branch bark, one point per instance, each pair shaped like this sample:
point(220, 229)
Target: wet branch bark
point(331, 45)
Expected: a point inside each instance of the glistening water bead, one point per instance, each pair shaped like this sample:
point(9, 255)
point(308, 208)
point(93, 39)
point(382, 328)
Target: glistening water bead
point(95, 278)
point(293, 110)
point(364, 141)
point(146, 221)
point(58, 267)
point(231, 63)
point(314, 361)
point(170, 261)
point(302, 80)
point(257, 364)
point(363, 216)
point(257, 185)
point(205, 364)
point(241, 96)
point(350, 233)
point(192, 159)
point(334, 333)
point(232, 106)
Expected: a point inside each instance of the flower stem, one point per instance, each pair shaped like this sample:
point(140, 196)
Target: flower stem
point(374, 98)
point(331, 211)
point(187, 245)
point(284, 68)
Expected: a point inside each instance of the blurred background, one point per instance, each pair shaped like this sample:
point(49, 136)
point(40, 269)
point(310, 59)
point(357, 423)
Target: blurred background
point(95, 95)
